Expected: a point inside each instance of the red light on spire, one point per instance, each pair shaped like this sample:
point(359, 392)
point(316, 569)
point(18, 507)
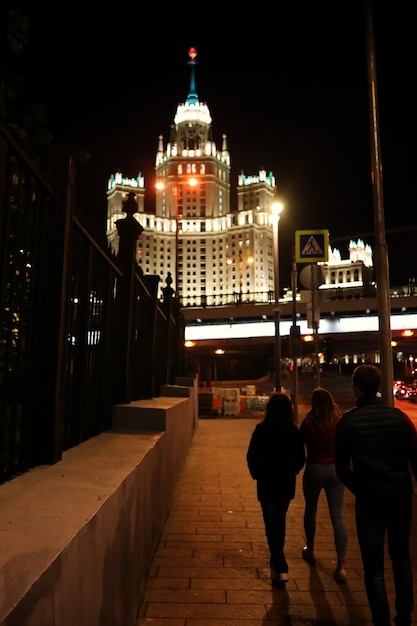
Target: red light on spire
point(192, 53)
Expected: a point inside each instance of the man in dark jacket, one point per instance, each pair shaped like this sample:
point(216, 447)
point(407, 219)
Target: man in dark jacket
point(375, 447)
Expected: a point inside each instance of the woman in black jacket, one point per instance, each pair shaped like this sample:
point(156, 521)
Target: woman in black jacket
point(275, 456)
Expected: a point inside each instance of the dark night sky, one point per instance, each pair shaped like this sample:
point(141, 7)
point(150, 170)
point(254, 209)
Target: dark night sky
point(288, 86)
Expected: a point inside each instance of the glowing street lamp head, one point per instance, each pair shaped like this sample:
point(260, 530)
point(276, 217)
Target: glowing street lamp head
point(248, 260)
point(275, 211)
point(191, 182)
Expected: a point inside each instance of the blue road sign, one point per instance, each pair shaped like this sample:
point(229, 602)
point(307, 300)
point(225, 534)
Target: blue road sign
point(311, 246)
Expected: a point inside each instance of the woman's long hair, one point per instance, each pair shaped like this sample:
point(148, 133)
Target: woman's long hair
point(279, 410)
point(323, 408)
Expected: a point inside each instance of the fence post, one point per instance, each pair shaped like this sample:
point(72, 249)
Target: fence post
point(168, 306)
point(129, 231)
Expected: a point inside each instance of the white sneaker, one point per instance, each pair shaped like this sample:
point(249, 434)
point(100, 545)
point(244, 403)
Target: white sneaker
point(308, 555)
point(280, 580)
point(340, 573)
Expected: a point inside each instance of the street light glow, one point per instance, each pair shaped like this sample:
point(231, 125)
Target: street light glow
point(276, 210)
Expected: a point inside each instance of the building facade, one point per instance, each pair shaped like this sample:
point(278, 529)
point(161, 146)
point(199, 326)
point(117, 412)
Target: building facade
point(214, 254)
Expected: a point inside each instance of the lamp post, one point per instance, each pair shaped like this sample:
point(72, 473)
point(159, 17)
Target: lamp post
point(240, 276)
point(275, 212)
point(249, 260)
point(176, 191)
point(176, 195)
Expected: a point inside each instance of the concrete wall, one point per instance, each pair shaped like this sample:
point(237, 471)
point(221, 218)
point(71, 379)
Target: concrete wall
point(77, 538)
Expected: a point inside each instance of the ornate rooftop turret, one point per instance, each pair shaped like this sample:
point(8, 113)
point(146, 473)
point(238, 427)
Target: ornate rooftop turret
point(191, 134)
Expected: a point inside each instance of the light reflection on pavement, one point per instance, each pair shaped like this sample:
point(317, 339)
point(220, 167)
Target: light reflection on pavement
point(408, 407)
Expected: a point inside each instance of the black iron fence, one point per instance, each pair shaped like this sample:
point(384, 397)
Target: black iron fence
point(80, 330)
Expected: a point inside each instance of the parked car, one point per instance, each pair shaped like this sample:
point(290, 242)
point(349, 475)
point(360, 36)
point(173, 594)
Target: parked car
point(413, 395)
point(403, 392)
point(396, 385)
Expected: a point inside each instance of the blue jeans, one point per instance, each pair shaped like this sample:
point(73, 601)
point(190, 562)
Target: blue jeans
point(317, 477)
point(373, 520)
point(275, 512)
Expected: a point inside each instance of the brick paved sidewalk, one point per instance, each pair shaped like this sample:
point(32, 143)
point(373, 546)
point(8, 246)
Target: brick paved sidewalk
point(211, 567)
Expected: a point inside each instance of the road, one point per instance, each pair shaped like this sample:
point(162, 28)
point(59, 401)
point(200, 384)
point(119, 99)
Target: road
point(408, 407)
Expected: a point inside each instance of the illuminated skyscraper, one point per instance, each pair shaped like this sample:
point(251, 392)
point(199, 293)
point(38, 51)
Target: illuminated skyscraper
point(219, 255)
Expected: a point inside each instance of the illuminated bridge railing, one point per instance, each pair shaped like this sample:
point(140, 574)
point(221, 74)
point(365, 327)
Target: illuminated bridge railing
point(227, 299)
point(267, 297)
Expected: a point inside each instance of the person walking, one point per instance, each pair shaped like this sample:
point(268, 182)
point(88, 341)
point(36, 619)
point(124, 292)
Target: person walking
point(318, 430)
point(375, 453)
point(275, 456)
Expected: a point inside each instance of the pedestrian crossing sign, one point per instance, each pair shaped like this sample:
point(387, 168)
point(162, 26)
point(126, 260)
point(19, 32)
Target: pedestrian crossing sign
point(311, 246)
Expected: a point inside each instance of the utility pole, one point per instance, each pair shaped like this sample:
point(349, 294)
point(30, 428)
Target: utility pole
point(295, 338)
point(381, 253)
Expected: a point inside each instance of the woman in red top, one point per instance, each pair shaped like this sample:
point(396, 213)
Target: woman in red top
point(317, 430)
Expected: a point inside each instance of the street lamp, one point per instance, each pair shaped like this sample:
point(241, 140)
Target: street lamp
point(275, 213)
point(249, 260)
point(176, 192)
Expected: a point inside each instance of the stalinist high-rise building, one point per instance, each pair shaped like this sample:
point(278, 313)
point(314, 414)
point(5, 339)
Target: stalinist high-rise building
point(215, 255)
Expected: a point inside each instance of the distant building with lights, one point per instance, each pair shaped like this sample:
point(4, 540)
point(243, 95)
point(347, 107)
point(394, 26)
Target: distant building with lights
point(219, 255)
point(356, 271)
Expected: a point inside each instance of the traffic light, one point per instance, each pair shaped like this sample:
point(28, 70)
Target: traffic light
point(295, 342)
point(328, 350)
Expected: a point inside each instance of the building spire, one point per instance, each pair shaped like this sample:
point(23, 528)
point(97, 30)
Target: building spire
point(192, 97)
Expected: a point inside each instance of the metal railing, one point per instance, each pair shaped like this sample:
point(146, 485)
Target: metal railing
point(267, 297)
point(80, 330)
